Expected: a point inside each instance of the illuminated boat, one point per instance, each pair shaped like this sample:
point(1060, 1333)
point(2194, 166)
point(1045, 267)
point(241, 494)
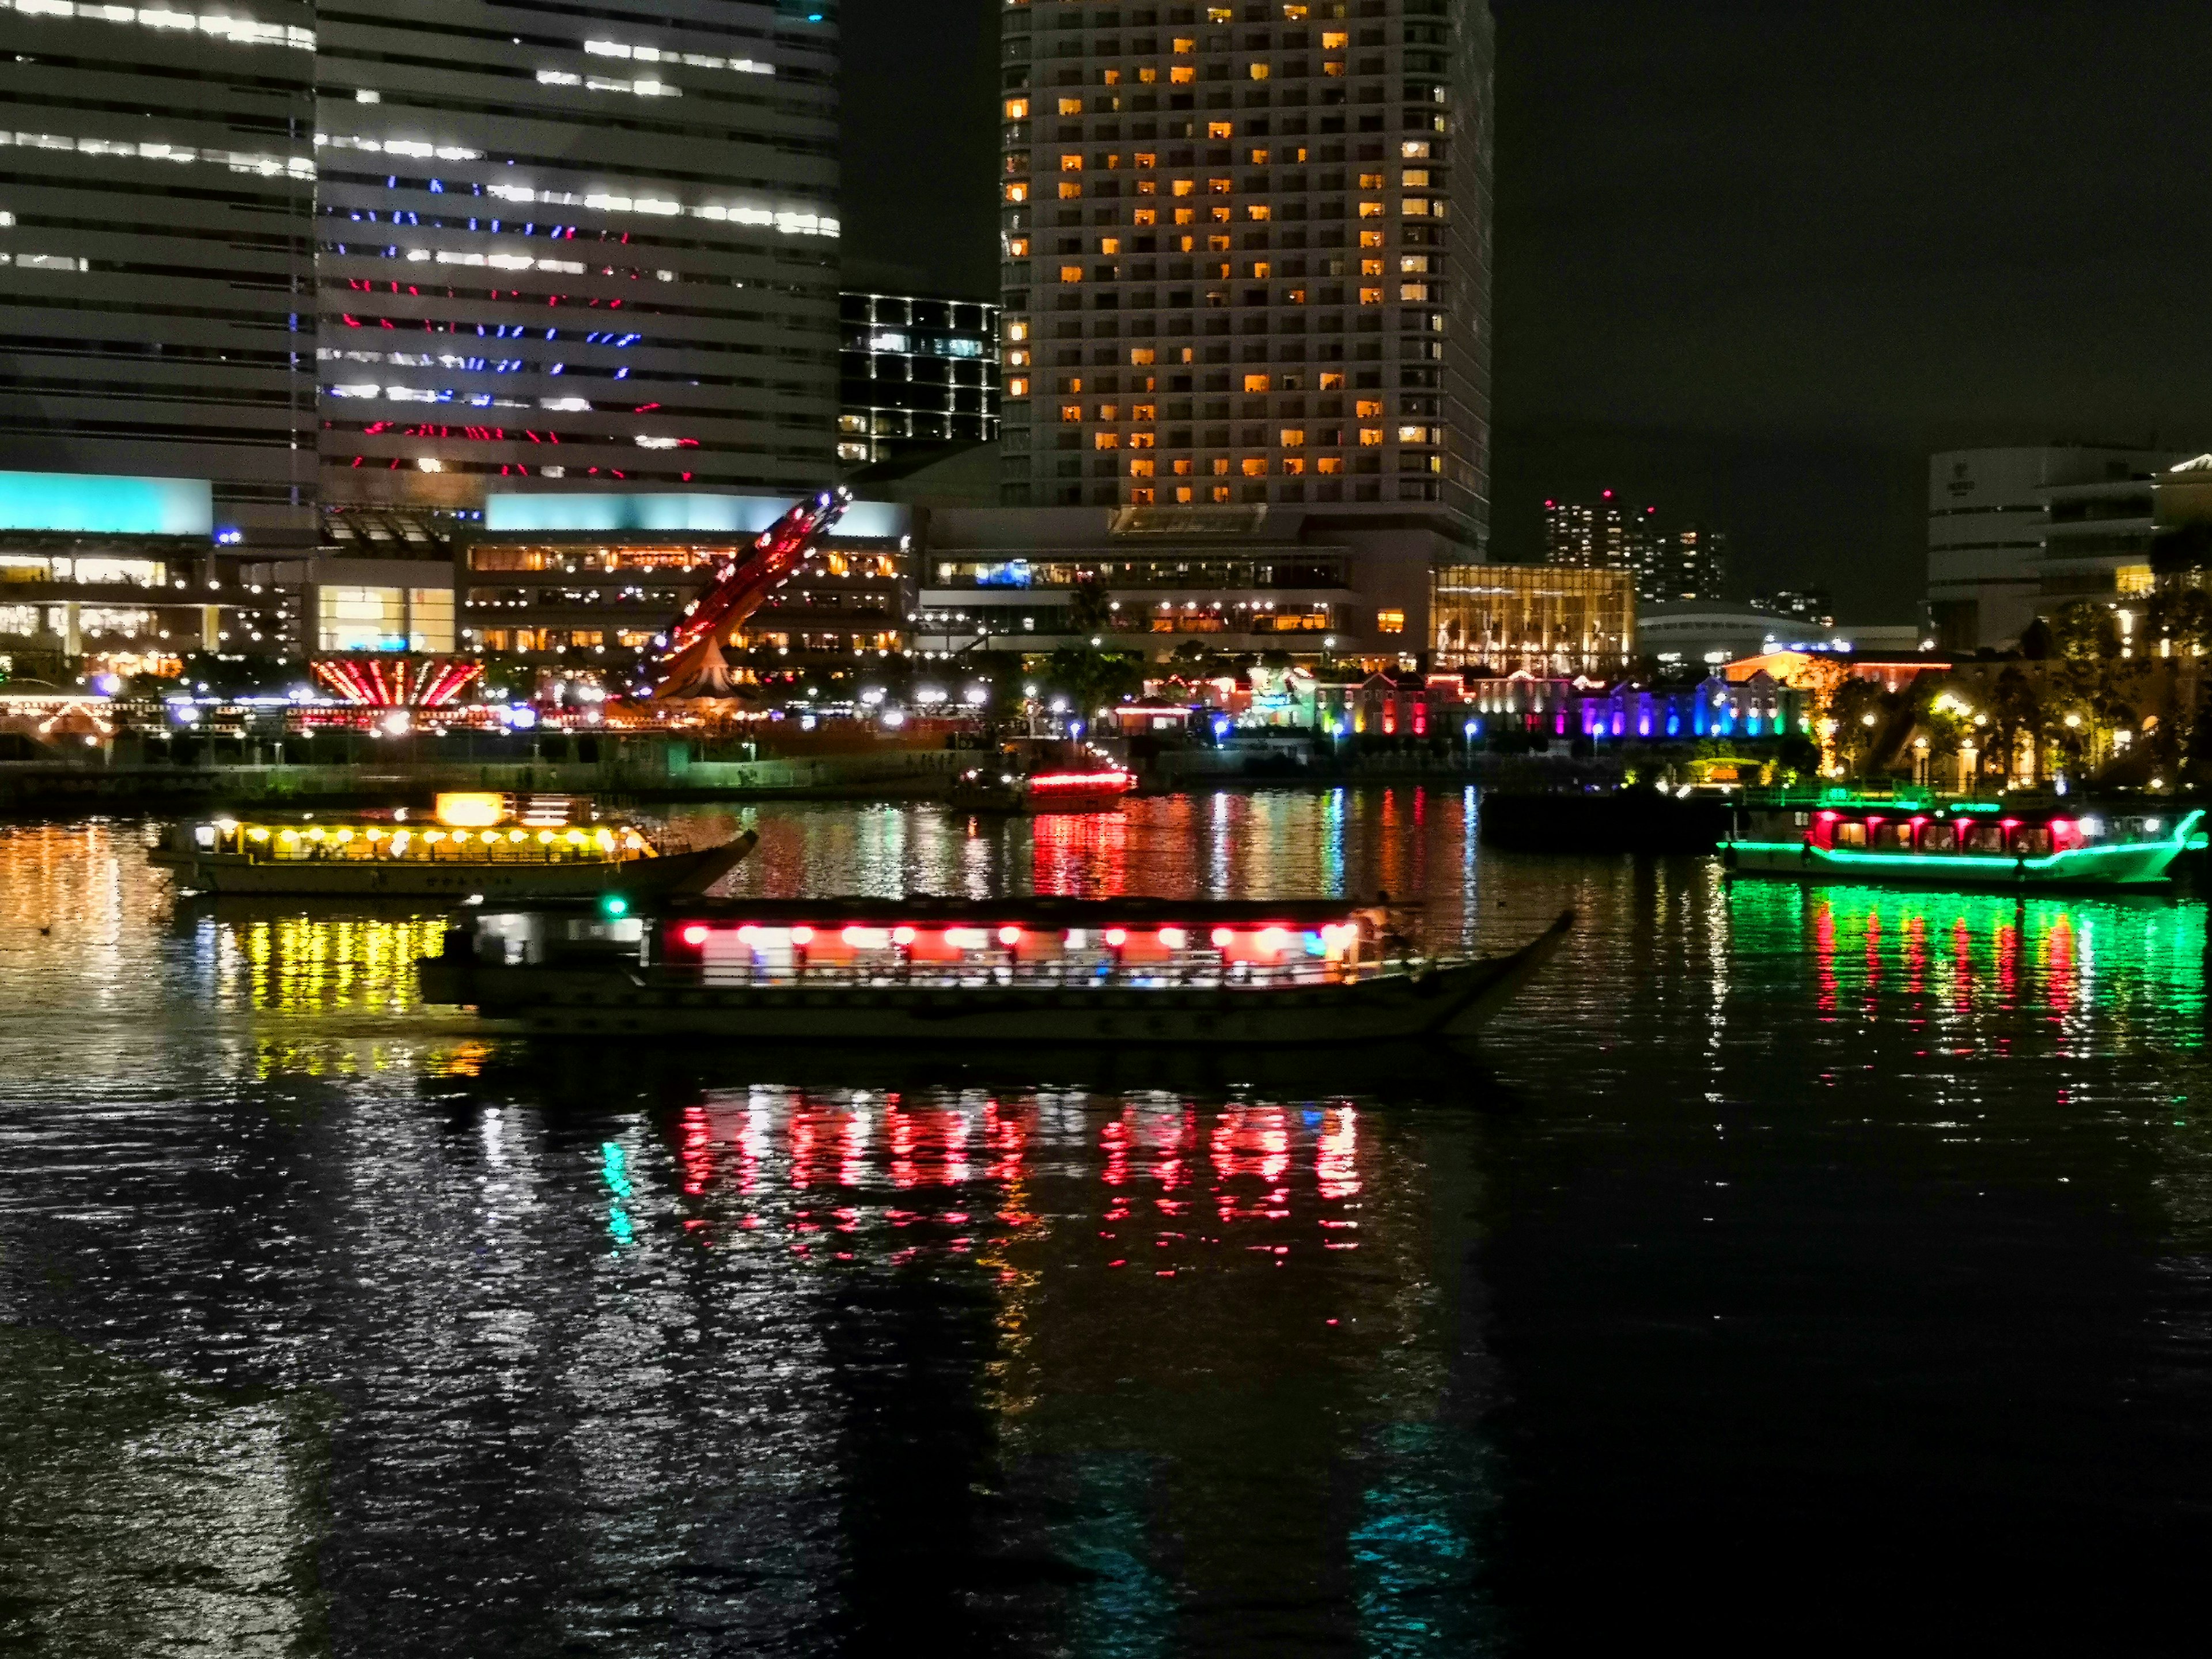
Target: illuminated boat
point(487, 846)
point(1115, 972)
point(2040, 842)
point(1032, 777)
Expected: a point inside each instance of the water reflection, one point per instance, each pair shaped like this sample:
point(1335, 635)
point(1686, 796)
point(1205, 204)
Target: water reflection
point(332, 1322)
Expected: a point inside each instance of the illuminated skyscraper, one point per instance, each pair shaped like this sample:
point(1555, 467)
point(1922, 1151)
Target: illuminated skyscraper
point(1247, 257)
point(596, 243)
point(156, 264)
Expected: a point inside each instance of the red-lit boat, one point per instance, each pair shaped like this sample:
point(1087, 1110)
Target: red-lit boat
point(1036, 775)
point(1039, 972)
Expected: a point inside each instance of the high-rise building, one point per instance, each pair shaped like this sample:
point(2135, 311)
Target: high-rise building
point(156, 252)
point(2012, 532)
point(1691, 563)
point(1603, 535)
point(1247, 257)
point(915, 371)
point(584, 242)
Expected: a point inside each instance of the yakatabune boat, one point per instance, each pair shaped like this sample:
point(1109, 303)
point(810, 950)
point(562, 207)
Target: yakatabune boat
point(486, 846)
point(935, 971)
point(2046, 841)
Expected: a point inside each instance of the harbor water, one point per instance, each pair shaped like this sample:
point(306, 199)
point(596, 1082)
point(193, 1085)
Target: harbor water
point(1795, 1268)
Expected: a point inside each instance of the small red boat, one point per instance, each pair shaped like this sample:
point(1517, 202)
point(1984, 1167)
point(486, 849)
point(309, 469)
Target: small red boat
point(1034, 775)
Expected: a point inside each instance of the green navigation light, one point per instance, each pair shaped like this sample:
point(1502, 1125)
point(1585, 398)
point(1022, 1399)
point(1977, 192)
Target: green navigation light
point(615, 905)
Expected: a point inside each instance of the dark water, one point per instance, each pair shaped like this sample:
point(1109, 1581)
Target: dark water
point(1808, 1270)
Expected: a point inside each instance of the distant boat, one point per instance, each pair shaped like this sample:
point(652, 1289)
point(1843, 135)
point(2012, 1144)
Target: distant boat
point(1033, 775)
point(1025, 973)
point(2016, 840)
point(474, 846)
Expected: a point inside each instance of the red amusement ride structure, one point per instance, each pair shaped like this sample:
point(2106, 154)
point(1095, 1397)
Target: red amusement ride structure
point(690, 663)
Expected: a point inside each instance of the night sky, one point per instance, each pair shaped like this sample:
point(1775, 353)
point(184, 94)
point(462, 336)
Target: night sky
point(1754, 260)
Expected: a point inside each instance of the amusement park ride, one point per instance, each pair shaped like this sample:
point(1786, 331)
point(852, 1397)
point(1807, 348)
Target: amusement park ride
point(689, 664)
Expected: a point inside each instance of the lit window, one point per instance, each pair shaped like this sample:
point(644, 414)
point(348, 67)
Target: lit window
point(1145, 158)
point(1018, 247)
point(1018, 192)
point(1144, 411)
point(1413, 179)
point(1220, 466)
point(1367, 180)
point(1294, 466)
point(1141, 497)
point(1297, 296)
point(1414, 264)
point(1412, 434)
point(1255, 466)
point(1415, 293)
point(1255, 383)
point(1109, 411)
point(1334, 66)
point(1329, 465)
point(1183, 467)
point(1141, 355)
point(1018, 387)
point(1112, 78)
point(1142, 440)
point(1184, 46)
point(1147, 77)
point(1219, 215)
point(1181, 75)
point(1370, 267)
point(1368, 409)
point(1415, 206)
point(1370, 296)
point(1371, 437)
point(1333, 39)
point(1258, 211)
point(1217, 186)
point(1261, 271)
point(1218, 129)
point(1069, 192)
point(1221, 492)
point(1105, 440)
point(1071, 273)
point(1370, 239)
point(1332, 380)
point(1367, 210)
point(1186, 217)
point(1295, 14)
point(1071, 164)
point(1141, 467)
point(1071, 106)
point(1148, 216)
point(1017, 360)
point(1018, 109)
point(1018, 331)
point(1389, 622)
point(1293, 437)
point(1258, 71)
point(1109, 244)
point(1070, 411)
point(1183, 187)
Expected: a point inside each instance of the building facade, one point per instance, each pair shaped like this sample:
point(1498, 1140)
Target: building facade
point(915, 371)
point(581, 585)
point(156, 253)
point(1534, 619)
point(1247, 256)
point(2013, 532)
point(587, 243)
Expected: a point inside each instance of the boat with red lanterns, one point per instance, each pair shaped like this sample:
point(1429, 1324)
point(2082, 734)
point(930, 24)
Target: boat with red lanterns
point(1032, 775)
point(2018, 840)
point(923, 970)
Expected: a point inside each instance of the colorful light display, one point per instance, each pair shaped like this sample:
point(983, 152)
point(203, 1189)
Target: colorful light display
point(397, 682)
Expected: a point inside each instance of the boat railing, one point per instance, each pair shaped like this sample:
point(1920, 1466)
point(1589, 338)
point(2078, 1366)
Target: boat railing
point(1076, 973)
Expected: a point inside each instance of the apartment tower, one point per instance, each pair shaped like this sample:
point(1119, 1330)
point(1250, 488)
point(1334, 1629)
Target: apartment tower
point(594, 243)
point(1247, 257)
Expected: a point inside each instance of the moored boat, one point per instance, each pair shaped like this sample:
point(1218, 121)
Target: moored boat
point(473, 845)
point(2016, 840)
point(1032, 972)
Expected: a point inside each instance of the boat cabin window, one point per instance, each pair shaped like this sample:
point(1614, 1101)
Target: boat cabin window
point(1851, 834)
point(1939, 838)
point(1985, 838)
point(2033, 841)
point(1894, 837)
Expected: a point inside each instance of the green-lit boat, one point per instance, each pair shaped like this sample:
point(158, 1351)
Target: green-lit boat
point(2038, 840)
